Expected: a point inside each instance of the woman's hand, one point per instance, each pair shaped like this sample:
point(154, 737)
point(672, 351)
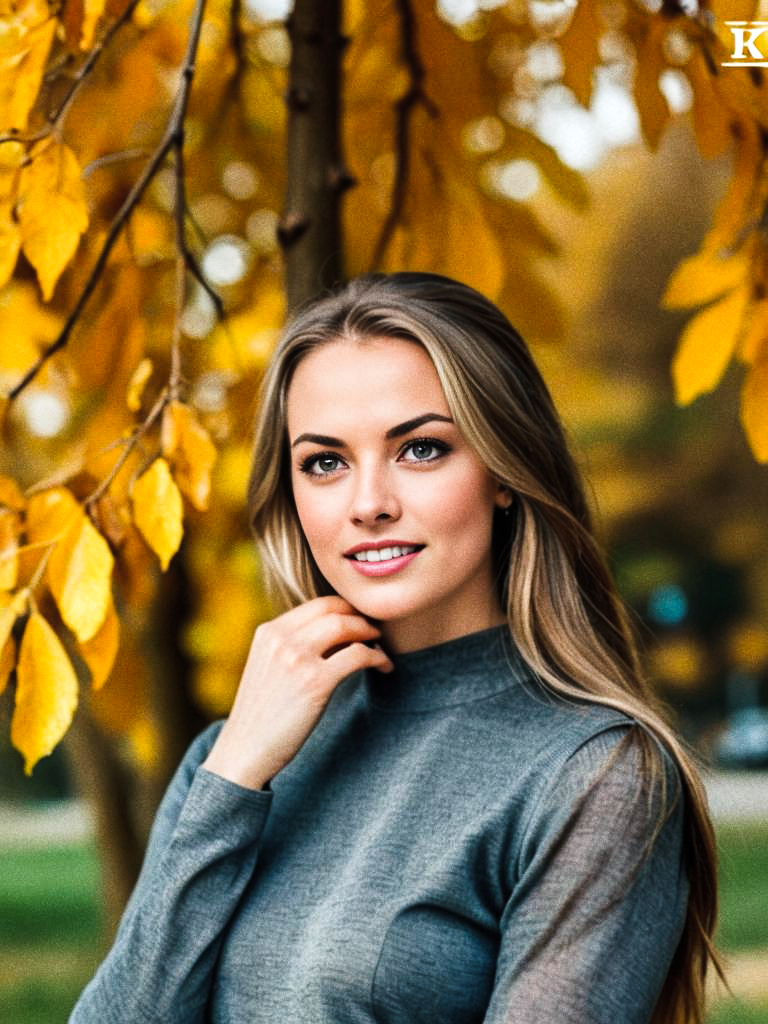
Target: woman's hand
point(295, 663)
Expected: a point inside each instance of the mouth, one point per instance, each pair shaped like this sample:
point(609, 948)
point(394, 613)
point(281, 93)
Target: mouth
point(383, 558)
point(384, 554)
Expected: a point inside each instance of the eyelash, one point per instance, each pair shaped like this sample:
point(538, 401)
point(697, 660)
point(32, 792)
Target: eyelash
point(306, 465)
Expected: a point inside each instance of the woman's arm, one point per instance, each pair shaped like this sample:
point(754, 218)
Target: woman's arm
point(203, 848)
point(600, 895)
point(201, 854)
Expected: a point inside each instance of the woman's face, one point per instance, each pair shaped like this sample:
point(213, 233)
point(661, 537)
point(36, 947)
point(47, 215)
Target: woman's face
point(396, 507)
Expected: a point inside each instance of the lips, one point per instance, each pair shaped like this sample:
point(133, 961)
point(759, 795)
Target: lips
point(385, 554)
point(380, 558)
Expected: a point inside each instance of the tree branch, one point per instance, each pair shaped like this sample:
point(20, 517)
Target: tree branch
point(172, 140)
point(404, 111)
point(310, 227)
point(58, 116)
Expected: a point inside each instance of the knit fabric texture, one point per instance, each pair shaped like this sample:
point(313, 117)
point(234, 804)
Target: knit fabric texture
point(451, 845)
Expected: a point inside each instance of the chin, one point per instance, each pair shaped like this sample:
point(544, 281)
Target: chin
point(382, 607)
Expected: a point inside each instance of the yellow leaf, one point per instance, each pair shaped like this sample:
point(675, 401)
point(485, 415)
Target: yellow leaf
point(100, 651)
point(754, 408)
point(7, 662)
point(10, 494)
point(158, 511)
point(188, 447)
point(80, 578)
point(651, 103)
point(9, 549)
point(706, 346)
point(50, 514)
point(10, 242)
point(10, 610)
point(93, 10)
point(52, 211)
point(21, 72)
point(703, 277)
point(755, 339)
point(27, 325)
point(46, 693)
point(137, 383)
point(580, 47)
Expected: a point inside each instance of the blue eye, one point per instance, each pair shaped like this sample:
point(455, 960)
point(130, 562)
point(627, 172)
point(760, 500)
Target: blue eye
point(425, 449)
point(321, 464)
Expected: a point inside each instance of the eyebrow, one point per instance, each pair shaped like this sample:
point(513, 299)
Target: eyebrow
point(398, 431)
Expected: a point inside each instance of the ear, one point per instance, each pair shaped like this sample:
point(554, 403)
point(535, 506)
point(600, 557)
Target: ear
point(504, 497)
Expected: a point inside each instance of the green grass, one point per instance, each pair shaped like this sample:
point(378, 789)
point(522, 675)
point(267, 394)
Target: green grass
point(50, 931)
point(743, 887)
point(51, 924)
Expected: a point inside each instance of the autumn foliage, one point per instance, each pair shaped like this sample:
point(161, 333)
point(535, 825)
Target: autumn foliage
point(135, 138)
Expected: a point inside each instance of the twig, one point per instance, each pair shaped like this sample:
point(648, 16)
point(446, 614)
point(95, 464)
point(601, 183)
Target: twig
point(173, 139)
point(58, 116)
point(130, 444)
point(113, 158)
point(405, 107)
point(238, 38)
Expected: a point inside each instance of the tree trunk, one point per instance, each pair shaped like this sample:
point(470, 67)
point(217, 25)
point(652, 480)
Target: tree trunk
point(310, 228)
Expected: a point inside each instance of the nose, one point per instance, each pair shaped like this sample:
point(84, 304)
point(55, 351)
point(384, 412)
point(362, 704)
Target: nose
point(374, 498)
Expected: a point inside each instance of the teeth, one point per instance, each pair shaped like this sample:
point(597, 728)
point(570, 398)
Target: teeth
point(384, 554)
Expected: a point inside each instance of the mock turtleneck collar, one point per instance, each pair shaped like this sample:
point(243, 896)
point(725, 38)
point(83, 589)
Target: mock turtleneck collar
point(455, 672)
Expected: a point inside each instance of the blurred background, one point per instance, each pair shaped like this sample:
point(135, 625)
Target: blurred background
point(576, 240)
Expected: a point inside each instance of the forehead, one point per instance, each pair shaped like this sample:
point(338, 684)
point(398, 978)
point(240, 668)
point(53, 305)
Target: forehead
point(381, 380)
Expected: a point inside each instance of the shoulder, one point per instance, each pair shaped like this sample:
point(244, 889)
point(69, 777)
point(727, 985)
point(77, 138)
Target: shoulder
point(617, 784)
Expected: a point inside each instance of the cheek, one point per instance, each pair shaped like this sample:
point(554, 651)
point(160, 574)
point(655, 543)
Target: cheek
point(463, 506)
point(317, 519)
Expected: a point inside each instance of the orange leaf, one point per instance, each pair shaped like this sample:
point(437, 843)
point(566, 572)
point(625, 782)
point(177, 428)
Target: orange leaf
point(46, 693)
point(52, 211)
point(706, 346)
point(651, 103)
point(580, 47)
point(711, 120)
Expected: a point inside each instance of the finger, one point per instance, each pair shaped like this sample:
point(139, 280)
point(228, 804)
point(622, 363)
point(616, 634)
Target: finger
point(334, 630)
point(357, 656)
point(314, 609)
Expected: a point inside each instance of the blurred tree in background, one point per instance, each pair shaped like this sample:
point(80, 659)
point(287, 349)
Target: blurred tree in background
point(176, 175)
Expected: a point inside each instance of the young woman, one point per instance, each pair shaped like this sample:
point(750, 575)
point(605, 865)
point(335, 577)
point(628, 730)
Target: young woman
point(444, 793)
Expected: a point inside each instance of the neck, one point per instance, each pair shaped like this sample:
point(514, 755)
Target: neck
point(401, 636)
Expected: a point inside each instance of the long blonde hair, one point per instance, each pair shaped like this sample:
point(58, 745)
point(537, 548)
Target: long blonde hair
point(564, 612)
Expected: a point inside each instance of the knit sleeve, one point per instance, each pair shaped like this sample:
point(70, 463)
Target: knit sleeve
point(201, 854)
point(597, 910)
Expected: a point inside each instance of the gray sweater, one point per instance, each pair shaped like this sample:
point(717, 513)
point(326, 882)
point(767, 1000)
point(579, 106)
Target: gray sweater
point(450, 845)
